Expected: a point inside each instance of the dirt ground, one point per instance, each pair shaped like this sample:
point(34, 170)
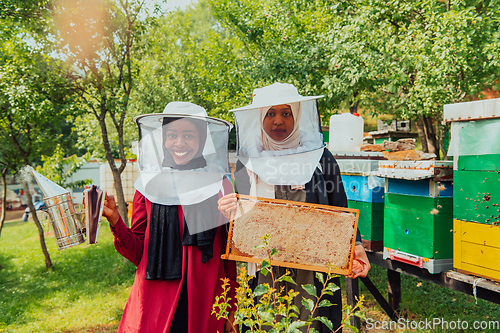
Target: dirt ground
point(13, 215)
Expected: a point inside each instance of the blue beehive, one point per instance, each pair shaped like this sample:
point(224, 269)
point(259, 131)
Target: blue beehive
point(365, 193)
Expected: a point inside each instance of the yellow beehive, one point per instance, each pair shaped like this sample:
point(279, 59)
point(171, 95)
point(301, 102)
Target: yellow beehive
point(476, 249)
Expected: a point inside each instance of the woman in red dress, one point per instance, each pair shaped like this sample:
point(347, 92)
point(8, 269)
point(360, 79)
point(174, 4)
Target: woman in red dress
point(178, 272)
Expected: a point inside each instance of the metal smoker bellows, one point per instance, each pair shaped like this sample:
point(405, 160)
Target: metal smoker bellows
point(64, 219)
point(94, 200)
point(67, 229)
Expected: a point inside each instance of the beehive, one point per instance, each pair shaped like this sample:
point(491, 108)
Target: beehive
point(365, 193)
point(475, 147)
point(419, 225)
point(476, 249)
point(418, 211)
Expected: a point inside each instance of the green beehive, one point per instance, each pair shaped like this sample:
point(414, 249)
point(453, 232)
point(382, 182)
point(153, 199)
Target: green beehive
point(489, 162)
point(370, 223)
point(366, 193)
point(419, 225)
point(475, 146)
point(477, 188)
point(418, 213)
point(477, 196)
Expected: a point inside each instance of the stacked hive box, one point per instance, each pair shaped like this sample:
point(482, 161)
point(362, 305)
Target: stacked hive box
point(128, 176)
point(418, 216)
point(476, 198)
point(365, 192)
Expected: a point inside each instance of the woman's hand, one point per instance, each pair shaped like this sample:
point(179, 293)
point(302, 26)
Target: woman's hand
point(227, 205)
point(110, 210)
point(360, 264)
point(230, 325)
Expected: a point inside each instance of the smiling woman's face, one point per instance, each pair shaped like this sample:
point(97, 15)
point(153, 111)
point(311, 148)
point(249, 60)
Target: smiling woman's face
point(182, 140)
point(278, 122)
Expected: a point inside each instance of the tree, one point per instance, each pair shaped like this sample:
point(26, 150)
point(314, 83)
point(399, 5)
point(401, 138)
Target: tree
point(9, 162)
point(402, 58)
point(283, 41)
point(4, 198)
point(34, 99)
point(99, 39)
point(29, 14)
point(217, 52)
point(433, 53)
point(190, 57)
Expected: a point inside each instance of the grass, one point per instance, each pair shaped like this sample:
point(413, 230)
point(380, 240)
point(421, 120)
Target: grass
point(85, 292)
point(423, 300)
point(89, 286)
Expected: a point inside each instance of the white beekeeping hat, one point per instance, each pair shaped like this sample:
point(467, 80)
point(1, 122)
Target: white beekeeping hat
point(162, 179)
point(285, 164)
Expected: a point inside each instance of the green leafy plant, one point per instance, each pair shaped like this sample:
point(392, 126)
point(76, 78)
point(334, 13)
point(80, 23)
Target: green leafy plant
point(267, 309)
point(60, 168)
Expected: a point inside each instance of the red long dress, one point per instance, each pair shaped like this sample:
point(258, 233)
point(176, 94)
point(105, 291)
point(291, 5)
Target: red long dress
point(152, 303)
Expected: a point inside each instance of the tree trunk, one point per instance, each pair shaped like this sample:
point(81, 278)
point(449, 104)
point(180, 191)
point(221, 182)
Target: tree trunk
point(354, 106)
point(4, 201)
point(431, 136)
point(120, 197)
point(29, 199)
point(421, 134)
point(442, 138)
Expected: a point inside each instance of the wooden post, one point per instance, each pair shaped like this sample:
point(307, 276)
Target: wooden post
point(379, 298)
point(352, 292)
point(394, 287)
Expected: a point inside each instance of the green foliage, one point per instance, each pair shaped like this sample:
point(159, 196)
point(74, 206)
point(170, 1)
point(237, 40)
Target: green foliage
point(265, 307)
point(433, 54)
point(60, 168)
point(88, 130)
point(189, 57)
point(35, 100)
point(393, 52)
point(99, 39)
point(283, 41)
point(31, 15)
point(403, 58)
point(86, 292)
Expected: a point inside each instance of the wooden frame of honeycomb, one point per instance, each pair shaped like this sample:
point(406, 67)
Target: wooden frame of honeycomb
point(306, 236)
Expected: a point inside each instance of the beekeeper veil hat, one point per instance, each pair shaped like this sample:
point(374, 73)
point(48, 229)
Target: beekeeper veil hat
point(189, 171)
point(292, 160)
